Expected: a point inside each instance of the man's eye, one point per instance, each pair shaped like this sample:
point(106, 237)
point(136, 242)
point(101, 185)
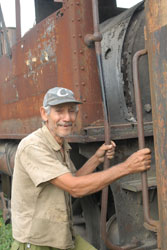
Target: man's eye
point(58, 110)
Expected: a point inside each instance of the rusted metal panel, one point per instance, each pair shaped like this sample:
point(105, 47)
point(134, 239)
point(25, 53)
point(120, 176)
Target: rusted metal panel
point(156, 24)
point(51, 54)
point(156, 16)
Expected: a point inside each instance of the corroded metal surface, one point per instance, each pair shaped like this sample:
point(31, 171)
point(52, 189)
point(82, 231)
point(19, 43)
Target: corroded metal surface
point(53, 53)
point(117, 33)
point(156, 13)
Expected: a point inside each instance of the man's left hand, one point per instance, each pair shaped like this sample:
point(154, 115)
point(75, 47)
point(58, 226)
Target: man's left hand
point(109, 150)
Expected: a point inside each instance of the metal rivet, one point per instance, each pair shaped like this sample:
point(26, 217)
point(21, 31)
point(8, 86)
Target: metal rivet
point(75, 51)
point(147, 107)
point(81, 51)
point(84, 100)
point(82, 68)
point(83, 84)
point(80, 35)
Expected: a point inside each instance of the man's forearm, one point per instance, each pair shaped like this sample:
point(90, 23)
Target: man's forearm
point(97, 158)
point(89, 166)
point(79, 186)
point(94, 182)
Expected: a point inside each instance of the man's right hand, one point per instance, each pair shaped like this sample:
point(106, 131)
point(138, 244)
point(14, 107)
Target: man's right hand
point(139, 161)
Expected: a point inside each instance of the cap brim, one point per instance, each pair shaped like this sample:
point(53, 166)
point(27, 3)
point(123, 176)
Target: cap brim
point(53, 103)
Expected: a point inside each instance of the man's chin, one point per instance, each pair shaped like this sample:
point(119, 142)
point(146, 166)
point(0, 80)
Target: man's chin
point(64, 134)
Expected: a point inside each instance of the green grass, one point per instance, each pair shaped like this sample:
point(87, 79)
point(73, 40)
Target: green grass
point(5, 234)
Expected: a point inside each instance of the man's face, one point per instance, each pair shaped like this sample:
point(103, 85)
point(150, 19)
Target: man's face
point(61, 119)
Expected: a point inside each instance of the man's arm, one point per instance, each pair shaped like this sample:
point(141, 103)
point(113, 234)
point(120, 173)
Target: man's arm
point(91, 183)
point(97, 159)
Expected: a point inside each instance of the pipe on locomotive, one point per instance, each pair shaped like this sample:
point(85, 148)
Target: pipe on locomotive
point(18, 21)
point(6, 37)
point(141, 141)
point(7, 155)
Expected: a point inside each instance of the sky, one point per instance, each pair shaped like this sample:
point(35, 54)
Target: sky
point(127, 3)
point(28, 13)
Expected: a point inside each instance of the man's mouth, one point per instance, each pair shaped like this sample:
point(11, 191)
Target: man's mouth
point(66, 125)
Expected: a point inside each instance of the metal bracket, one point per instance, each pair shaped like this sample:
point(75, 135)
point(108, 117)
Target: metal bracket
point(90, 39)
point(2, 22)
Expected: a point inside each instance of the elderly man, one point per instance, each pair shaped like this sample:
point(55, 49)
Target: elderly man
point(45, 178)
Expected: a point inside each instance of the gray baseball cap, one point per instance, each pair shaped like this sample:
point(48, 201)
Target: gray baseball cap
point(59, 95)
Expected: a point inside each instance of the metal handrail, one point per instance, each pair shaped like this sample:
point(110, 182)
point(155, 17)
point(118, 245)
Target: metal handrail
point(6, 38)
point(141, 141)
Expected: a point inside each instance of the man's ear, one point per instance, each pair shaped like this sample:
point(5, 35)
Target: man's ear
point(43, 114)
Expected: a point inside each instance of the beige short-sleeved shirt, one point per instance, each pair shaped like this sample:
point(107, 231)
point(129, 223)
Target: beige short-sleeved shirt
point(41, 212)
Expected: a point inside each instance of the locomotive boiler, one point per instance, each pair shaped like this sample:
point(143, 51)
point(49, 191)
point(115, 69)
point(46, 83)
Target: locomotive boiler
point(55, 53)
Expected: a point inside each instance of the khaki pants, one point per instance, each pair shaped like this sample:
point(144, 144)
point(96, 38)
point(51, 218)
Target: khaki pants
point(80, 244)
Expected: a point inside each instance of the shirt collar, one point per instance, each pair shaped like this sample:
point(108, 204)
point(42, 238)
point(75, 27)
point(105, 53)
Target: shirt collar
point(55, 145)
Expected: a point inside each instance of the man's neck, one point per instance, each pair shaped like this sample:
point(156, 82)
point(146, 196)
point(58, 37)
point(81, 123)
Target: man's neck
point(59, 140)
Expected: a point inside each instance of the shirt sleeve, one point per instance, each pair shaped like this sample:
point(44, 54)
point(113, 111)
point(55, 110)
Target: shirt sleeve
point(73, 168)
point(41, 165)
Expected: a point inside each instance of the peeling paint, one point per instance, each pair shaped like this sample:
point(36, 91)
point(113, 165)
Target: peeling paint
point(34, 59)
point(28, 62)
point(44, 57)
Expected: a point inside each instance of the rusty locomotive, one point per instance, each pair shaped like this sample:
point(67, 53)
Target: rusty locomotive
point(55, 52)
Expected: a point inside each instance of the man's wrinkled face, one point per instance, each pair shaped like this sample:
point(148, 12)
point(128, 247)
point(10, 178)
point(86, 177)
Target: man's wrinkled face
point(61, 119)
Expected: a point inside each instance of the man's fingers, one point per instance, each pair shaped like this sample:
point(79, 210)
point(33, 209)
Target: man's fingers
point(148, 157)
point(111, 152)
point(110, 156)
point(148, 161)
point(144, 154)
point(113, 144)
point(145, 157)
point(145, 151)
point(109, 147)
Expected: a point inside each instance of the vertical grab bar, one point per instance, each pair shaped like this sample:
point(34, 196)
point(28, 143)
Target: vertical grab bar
point(140, 128)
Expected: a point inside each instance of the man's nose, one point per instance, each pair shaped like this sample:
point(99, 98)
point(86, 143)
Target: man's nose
point(66, 116)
